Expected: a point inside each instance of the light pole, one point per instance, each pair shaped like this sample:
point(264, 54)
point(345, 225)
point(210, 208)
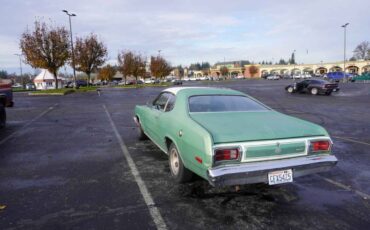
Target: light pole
point(73, 55)
point(20, 67)
point(159, 53)
point(293, 60)
point(344, 58)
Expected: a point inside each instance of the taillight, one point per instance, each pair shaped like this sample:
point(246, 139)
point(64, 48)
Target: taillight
point(226, 154)
point(318, 146)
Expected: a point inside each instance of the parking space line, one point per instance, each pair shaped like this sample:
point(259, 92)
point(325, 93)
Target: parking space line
point(345, 187)
point(351, 140)
point(22, 129)
point(154, 212)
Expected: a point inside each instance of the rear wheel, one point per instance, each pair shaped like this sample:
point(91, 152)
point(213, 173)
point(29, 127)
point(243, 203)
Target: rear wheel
point(177, 168)
point(2, 116)
point(290, 89)
point(314, 91)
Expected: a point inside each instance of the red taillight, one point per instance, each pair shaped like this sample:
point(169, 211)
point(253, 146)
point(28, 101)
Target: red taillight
point(226, 154)
point(317, 146)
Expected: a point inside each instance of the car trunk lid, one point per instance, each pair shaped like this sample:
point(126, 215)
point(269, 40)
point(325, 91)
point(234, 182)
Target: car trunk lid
point(228, 127)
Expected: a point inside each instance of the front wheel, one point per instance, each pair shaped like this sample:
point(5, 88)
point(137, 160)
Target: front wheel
point(314, 91)
point(177, 168)
point(290, 89)
point(142, 136)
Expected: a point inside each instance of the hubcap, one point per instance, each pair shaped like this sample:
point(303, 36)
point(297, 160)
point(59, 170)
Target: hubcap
point(174, 160)
point(314, 91)
point(290, 89)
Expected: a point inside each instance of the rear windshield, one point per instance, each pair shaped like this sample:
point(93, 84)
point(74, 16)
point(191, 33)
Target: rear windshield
point(223, 103)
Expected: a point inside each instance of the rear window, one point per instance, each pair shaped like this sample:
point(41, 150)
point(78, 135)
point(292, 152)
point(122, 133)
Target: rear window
point(223, 103)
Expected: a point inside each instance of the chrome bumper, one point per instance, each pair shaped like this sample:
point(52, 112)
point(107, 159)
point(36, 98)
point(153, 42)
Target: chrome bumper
point(256, 172)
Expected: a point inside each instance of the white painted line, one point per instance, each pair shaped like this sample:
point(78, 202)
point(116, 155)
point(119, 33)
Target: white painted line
point(154, 212)
point(351, 140)
point(346, 187)
point(23, 128)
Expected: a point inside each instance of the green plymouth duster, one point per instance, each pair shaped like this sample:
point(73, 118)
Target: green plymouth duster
point(229, 138)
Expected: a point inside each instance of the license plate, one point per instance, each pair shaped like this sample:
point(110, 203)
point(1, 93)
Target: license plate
point(280, 177)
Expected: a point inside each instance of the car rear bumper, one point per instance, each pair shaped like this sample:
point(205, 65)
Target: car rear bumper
point(257, 172)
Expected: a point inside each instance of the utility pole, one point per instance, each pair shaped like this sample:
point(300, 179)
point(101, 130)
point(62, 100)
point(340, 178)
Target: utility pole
point(20, 67)
point(344, 50)
point(73, 55)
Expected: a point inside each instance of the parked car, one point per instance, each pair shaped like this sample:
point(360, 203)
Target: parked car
point(7, 92)
point(2, 111)
point(177, 82)
point(30, 86)
point(17, 85)
point(313, 86)
point(273, 77)
point(229, 138)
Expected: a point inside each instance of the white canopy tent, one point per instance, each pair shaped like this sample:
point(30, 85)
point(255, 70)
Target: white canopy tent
point(45, 80)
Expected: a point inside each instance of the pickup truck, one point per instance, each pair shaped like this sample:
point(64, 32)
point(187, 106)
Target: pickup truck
point(7, 92)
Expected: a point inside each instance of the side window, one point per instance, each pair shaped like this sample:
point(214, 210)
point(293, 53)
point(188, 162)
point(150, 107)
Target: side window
point(171, 102)
point(161, 101)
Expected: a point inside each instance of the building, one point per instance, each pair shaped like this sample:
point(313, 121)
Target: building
point(45, 80)
point(356, 67)
point(257, 70)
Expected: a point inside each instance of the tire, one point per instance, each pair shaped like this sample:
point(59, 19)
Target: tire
point(314, 91)
point(2, 117)
point(178, 171)
point(142, 136)
point(290, 89)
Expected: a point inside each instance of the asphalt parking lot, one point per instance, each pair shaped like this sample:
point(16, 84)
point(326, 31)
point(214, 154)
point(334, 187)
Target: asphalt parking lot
point(69, 163)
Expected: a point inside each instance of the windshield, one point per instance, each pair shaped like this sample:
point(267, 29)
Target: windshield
point(224, 103)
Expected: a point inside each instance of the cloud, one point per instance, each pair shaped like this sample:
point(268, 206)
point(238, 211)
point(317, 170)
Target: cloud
point(188, 31)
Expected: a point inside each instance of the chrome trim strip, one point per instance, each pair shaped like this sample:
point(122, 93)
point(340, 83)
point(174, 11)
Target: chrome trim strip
point(270, 165)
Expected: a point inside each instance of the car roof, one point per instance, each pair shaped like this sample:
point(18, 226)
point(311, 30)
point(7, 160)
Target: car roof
point(201, 90)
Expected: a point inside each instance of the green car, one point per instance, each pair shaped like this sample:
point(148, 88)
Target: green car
point(229, 138)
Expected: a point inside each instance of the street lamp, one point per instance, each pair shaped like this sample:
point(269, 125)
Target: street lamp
point(344, 59)
point(20, 67)
point(73, 55)
point(293, 60)
point(159, 53)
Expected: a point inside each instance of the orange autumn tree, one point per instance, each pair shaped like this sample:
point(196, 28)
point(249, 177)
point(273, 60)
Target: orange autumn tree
point(159, 67)
point(106, 73)
point(90, 53)
point(46, 47)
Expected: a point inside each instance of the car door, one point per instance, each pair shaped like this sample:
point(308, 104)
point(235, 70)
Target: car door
point(302, 86)
point(157, 109)
point(165, 121)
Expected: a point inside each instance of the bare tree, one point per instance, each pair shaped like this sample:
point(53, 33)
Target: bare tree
point(126, 63)
point(138, 69)
point(362, 51)
point(106, 73)
point(159, 67)
point(46, 47)
point(89, 54)
point(131, 64)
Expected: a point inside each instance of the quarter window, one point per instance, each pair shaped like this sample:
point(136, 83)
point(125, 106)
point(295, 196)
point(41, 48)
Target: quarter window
point(160, 102)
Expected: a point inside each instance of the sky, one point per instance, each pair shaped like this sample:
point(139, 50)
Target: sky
point(189, 31)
